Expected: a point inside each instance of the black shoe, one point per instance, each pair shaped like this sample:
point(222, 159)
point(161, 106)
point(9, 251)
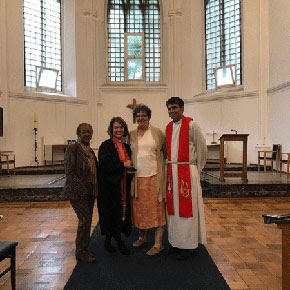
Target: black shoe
point(121, 245)
point(109, 248)
point(91, 254)
point(183, 254)
point(85, 257)
point(123, 249)
point(108, 245)
point(127, 233)
point(171, 250)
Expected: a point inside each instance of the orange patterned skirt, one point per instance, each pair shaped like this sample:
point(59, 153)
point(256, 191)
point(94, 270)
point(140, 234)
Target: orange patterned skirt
point(147, 211)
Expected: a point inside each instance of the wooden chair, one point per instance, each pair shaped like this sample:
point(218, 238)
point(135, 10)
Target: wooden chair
point(271, 155)
point(8, 250)
point(6, 158)
point(285, 160)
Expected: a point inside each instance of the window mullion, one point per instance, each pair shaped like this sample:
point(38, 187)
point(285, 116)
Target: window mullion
point(43, 36)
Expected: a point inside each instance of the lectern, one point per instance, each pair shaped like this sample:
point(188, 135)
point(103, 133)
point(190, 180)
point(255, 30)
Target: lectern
point(233, 137)
point(283, 223)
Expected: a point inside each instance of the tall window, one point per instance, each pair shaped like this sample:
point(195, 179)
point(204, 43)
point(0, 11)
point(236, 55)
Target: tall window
point(42, 40)
point(133, 40)
point(222, 37)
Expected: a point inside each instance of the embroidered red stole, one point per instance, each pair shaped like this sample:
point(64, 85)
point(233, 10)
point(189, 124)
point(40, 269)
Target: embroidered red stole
point(184, 183)
point(123, 155)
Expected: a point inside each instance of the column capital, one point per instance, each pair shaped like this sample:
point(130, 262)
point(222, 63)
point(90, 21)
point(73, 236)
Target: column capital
point(174, 13)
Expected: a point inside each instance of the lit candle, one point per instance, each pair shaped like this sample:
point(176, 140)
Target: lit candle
point(35, 119)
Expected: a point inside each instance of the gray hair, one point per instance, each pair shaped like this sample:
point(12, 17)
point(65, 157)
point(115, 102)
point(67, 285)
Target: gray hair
point(79, 128)
point(141, 108)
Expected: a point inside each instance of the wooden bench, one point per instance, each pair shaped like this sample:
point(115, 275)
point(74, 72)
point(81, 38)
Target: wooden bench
point(8, 250)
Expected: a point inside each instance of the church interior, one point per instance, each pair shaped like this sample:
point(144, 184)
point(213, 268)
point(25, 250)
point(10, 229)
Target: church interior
point(227, 59)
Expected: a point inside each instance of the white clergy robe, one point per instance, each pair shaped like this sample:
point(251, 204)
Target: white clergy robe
point(187, 232)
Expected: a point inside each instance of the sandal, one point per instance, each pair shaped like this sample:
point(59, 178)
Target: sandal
point(154, 251)
point(138, 243)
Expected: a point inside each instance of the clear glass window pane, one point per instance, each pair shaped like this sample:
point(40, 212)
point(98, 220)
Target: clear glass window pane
point(225, 76)
point(47, 78)
point(134, 69)
point(134, 45)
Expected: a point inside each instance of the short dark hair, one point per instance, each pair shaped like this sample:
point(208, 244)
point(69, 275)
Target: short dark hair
point(121, 122)
point(141, 108)
point(79, 128)
point(175, 100)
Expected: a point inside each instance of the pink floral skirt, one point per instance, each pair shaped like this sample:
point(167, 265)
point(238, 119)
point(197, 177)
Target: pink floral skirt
point(146, 210)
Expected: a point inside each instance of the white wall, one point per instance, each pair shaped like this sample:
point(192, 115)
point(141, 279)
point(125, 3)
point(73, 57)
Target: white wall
point(58, 114)
point(221, 117)
point(279, 90)
point(89, 98)
point(279, 32)
point(227, 109)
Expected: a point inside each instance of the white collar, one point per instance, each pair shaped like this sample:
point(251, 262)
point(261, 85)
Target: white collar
point(178, 122)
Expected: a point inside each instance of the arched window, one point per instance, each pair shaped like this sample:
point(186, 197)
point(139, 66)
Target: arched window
point(223, 39)
point(42, 43)
point(133, 40)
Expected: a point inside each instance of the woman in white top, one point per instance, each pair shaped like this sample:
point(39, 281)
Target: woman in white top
point(149, 184)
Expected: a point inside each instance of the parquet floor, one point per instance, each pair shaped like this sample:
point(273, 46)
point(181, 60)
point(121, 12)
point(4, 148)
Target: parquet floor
point(246, 251)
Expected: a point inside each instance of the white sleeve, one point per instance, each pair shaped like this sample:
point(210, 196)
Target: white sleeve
point(196, 136)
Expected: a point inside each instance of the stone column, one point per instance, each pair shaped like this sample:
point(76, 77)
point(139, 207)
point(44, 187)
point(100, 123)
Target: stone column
point(264, 72)
point(175, 75)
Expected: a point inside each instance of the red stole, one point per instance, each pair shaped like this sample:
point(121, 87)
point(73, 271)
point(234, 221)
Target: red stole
point(123, 155)
point(184, 183)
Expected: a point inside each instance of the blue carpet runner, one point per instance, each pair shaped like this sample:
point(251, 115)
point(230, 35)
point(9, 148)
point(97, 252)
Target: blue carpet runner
point(138, 271)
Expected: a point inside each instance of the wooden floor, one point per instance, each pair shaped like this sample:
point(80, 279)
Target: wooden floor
point(246, 251)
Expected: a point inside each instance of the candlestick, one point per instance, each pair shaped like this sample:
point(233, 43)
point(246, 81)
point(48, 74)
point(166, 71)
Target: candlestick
point(35, 144)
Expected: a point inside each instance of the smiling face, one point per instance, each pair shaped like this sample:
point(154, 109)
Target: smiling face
point(118, 130)
point(175, 112)
point(86, 133)
point(142, 120)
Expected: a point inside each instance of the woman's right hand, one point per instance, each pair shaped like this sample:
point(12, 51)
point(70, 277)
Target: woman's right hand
point(128, 163)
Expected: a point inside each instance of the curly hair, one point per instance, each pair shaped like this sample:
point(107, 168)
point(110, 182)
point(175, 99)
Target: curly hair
point(175, 100)
point(79, 128)
point(141, 108)
point(121, 122)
